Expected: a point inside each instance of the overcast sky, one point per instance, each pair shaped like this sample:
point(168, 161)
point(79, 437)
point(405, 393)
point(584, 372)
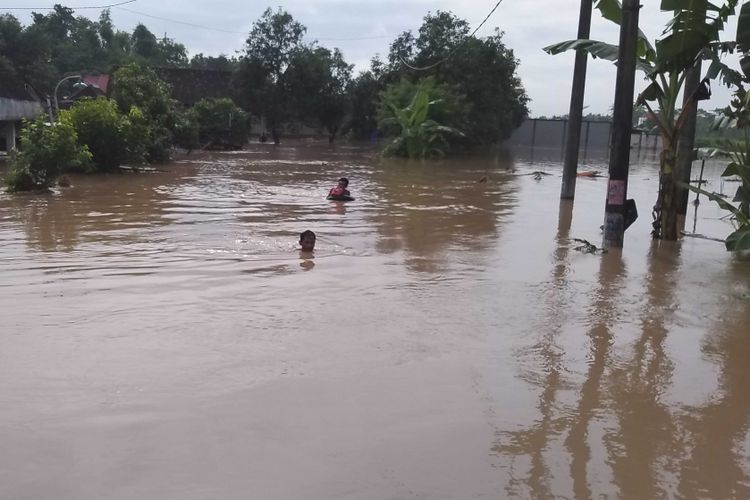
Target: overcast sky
point(363, 28)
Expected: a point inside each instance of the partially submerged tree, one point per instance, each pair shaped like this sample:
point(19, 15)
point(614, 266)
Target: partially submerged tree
point(138, 86)
point(483, 69)
point(46, 151)
point(411, 130)
point(221, 124)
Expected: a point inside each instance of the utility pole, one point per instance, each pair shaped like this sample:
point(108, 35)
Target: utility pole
point(619, 158)
point(575, 116)
point(686, 141)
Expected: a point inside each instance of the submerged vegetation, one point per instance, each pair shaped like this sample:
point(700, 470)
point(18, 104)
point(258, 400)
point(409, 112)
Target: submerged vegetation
point(47, 150)
point(412, 129)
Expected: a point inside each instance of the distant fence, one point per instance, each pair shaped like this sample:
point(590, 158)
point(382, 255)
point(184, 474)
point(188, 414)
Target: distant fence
point(595, 136)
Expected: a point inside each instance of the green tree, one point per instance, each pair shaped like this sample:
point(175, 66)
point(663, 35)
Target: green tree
point(414, 134)
point(221, 124)
point(484, 70)
point(317, 83)
point(272, 41)
point(218, 63)
point(47, 150)
point(446, 106)
point(112, 138)
point(138, 86)
point(144, 44)
point(170, 54)
point(363, 96)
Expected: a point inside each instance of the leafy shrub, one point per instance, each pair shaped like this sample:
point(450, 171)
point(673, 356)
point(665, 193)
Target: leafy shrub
point(99, 125)
point(186, 131)
point(413, 133)
point(46, 151)
point(221, 124)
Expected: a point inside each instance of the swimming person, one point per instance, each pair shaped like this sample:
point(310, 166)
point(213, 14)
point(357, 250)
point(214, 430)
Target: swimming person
point(307, 241)
point(340, 189)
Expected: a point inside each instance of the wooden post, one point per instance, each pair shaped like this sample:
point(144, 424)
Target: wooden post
point(622, 121)
point(575, 115)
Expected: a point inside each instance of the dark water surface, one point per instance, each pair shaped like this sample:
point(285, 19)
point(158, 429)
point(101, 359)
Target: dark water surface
point(162, 338)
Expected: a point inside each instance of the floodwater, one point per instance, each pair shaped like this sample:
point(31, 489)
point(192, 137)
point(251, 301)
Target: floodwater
point(163, 338)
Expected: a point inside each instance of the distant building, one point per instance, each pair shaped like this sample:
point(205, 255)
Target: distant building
point(87, 91)
point(16, 103)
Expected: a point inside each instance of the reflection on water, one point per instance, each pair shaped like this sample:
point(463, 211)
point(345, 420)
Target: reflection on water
point(164, 337)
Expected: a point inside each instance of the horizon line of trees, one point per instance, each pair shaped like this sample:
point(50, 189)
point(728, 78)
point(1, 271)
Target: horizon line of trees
point(280, 76)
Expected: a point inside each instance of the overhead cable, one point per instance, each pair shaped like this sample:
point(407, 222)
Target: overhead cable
point(72, 8)
point(458, 47)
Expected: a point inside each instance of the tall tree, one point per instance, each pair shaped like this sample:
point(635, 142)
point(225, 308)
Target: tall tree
point(482, 69)
point(363, 95)
point(144, 43)
point(317, 82)
point(272, 41)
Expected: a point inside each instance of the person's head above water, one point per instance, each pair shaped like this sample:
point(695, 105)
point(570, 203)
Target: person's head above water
point(307, 241)
point(343, 182)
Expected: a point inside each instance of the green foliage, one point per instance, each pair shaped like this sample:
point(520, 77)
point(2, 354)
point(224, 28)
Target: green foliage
point(111, 137)
point(219, 63)
point(138, 86)
point(693, 33)
point(448, 106)
point(363, 96)
point(737, 116)
point(221, 124)
point(483, 70)
point(59, 43)
point(46, 151)
point(186, 131)
point(98, 125)
point(272, 41)
point(418, 135)
point(318, 81)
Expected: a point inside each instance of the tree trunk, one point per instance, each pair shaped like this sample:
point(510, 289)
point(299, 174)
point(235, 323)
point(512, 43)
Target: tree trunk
point(332, 134)
point(665, 210)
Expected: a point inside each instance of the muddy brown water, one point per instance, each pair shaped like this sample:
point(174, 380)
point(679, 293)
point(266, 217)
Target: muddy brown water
point(162, 337)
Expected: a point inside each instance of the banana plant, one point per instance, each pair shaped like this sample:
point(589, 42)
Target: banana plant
point(690, 36)
point(419, 137)
point(736, 115)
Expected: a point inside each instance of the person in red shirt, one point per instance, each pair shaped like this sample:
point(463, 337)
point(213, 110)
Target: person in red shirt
point(340, 189)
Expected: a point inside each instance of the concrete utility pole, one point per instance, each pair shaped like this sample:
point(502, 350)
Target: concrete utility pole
point(619, 158)
point(686, 142)
point(575, 116)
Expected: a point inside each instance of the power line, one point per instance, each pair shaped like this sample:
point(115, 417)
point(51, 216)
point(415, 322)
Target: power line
point(193, 25)
point(73, 8)
point(181, 22)
point(458, 47)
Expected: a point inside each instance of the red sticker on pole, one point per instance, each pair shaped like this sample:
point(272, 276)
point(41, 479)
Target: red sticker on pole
point(616, 192)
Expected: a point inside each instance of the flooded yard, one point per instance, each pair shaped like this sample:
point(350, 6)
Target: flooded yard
point(163, 338)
